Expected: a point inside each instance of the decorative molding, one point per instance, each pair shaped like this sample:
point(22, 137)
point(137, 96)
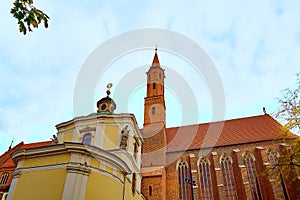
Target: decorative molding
point(103, 172)
point(16, 174)
point(87, 129)
point(78, 169)
point(41, 168)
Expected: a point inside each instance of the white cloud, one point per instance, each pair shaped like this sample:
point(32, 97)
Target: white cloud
point(254, 44)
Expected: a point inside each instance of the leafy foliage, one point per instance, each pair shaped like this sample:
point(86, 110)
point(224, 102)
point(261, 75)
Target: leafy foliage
point(289, 111)
point(28, 16)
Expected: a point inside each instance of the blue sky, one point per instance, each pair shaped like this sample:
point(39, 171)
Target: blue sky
point(255, 46)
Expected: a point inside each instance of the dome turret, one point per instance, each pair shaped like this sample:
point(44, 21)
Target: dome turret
point(106, 105)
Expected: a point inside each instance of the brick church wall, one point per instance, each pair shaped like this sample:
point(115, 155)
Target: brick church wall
point(172, 159)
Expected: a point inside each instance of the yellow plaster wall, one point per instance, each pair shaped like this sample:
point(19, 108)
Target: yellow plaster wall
point(49, 160)
point(68, 137)
point(45, 184)
point(100, 186)
point(111, 137)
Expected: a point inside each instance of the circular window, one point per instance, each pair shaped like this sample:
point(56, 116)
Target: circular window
point(103, 107)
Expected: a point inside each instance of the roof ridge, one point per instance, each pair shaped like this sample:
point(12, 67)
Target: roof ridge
point(6, 155)
point(235, 119)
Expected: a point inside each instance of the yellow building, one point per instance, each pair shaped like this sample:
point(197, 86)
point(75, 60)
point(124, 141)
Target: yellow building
point(92, 157)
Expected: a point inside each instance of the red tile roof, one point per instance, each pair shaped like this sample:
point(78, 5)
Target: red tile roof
point(5, 159)
point(37, 144)
point(223, 133)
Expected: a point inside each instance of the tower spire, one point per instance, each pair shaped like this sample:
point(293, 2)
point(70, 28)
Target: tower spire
point(155, 62)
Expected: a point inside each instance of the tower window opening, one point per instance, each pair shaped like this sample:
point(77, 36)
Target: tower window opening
point(153, 110)
point(154, 86)
point(159, 75)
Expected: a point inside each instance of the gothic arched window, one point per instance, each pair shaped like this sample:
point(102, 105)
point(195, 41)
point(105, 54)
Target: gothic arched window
point(205, 179)
point(184, 188)
point(87, 139)
point(228, 177)
point(277, 184)
point(4, 178)
point(249, 159)
point(273, 156)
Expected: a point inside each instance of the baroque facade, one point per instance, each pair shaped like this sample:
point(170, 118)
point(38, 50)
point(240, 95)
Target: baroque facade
point(92, 157)
point(105, 156)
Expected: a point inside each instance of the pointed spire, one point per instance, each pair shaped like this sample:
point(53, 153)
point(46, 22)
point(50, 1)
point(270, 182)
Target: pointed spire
point(155, 62)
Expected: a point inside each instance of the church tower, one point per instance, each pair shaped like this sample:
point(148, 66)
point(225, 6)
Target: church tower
point(154, 133)
point(155, 109)
point(154, 116)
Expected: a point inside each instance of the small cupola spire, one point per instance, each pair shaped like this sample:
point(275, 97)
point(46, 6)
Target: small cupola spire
point(106, 105)
point(155, 62)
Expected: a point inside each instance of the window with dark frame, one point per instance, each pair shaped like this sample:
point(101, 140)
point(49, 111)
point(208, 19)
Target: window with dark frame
point(150, 190)
point(184, 188)
point(4, 178)
point(248, 159)
point(205, 179)
point(228, 177)
point(87, 139)
point(133, 186)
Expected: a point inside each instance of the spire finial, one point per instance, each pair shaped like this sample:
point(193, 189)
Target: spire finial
point(108, 88)
point(11, 144)
point(155, 48)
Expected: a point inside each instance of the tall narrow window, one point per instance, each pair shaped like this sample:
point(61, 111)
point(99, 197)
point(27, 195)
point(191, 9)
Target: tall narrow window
point(278, 185)
point(227, 172)
point(205, 179)
point(150, 190)
point(4, 178)
point(153, 110)
point(133, 186)
point(87, 139)
point(184, 188)
point(154, 86)
point(252, 176)
point(273, 156)
point(135, 149)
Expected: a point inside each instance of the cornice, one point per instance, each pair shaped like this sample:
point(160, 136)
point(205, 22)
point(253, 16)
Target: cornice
point(69, 148)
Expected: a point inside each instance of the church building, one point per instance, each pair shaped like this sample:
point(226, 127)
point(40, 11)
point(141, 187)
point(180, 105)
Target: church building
point(105, 155)
point(217, 160)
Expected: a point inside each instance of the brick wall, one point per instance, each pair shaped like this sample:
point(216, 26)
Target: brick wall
point(192, 157)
